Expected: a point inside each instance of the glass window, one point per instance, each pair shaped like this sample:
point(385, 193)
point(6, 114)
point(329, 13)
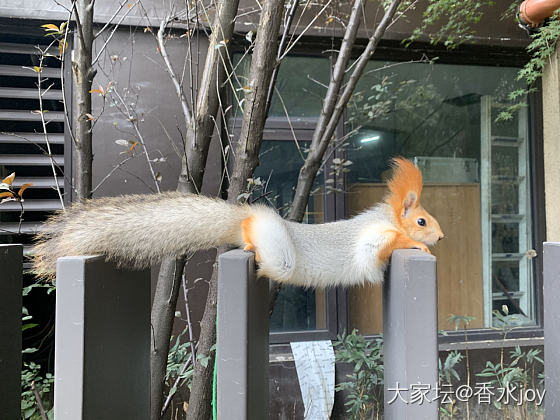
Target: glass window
point(297, 308)
point(476, 181)
point(299, 91)
point(300, 86)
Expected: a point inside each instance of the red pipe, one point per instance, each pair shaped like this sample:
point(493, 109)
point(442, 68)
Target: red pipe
point(534, 12)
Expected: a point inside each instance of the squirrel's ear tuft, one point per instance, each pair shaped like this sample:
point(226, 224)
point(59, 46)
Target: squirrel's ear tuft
point(405, 186)
point(410, 202)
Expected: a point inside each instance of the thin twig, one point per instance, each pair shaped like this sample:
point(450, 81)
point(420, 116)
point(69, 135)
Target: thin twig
point(117, 166)
point(39, 401)
point(46, 134)
point(95, 36)
point(289, 123)
point(288, 49)
point(112, 33)
point(133, 120)
point(62, 68)
point(176, 383)
point(188, 313)
point(20, 201)
point(79, 26)
point(178, 87)
point(281, 46)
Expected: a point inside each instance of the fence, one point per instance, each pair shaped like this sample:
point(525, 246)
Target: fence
point(551, 286)
point(103, 337)
point(102, 341)
point(10, 330)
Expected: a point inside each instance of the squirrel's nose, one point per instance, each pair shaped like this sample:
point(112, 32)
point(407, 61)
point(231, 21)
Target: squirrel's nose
point(441, 237)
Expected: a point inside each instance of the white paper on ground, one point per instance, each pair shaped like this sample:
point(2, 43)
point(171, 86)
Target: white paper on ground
point(315, 369)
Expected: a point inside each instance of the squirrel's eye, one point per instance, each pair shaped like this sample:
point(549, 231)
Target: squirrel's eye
point(421, 222)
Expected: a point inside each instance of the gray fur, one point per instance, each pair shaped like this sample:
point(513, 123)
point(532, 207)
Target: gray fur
point(139, 230)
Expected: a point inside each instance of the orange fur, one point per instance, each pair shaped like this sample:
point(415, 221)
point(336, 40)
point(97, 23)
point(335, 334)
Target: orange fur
point(247, 230)
point(406, 178)
point(399, 241)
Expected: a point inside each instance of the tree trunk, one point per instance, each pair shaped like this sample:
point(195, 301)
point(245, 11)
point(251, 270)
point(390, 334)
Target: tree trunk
point(208, 96)
point(246, 160)
point(255, 107)
point(198, 137)
point(163, 314)
point(83, 73)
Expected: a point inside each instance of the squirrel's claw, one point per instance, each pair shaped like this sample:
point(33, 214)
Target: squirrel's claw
point(422, 247)
point(251, 247)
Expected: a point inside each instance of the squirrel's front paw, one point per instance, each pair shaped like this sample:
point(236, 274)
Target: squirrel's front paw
point(421, 247)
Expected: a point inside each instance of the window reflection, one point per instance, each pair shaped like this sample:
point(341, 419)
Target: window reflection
point(296, 308)
point(476, 181)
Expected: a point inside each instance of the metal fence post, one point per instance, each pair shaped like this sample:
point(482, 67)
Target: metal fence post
point(551, 284)
point(242, 339)
point(11, 264)
point(410, 331)
point(102, 341)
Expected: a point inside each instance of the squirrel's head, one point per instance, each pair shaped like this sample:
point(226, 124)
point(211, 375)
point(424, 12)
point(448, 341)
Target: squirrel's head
point(405, 187)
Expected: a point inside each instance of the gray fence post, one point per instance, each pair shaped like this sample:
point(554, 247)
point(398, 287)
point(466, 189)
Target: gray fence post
point(410, 348)
point(102, 341)
point(11, 264)
point(551, 284)
point(242, 339)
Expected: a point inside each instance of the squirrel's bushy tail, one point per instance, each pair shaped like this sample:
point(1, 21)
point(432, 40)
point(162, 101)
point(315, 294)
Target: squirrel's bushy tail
point(138, 230)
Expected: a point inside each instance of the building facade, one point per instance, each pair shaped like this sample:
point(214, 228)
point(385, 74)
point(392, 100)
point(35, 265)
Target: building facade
point(485, 180)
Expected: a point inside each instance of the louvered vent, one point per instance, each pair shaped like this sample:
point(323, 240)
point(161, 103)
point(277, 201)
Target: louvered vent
point(23, 145)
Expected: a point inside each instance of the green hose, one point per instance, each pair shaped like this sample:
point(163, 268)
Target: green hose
point(214, 411)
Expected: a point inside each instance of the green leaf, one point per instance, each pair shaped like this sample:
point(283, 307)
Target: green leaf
point(28, 413)
point(28, 326)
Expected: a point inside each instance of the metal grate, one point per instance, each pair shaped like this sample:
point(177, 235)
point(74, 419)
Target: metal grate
point(23, 144)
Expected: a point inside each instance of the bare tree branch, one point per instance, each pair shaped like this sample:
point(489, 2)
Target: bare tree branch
point(111, 172)
point(328, 122)
point(104, 46)
point(97, 34)
point(45, 132)
point(63, 51)
point(188, 315)
point(334, 105)
point(309, 25)
point(39, 401)
point(163, 314)
point(178, 88)
point(79, 25)
point(283, 40)
point(134, 122)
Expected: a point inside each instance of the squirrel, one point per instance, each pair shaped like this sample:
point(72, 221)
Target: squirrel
point(137, 231)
